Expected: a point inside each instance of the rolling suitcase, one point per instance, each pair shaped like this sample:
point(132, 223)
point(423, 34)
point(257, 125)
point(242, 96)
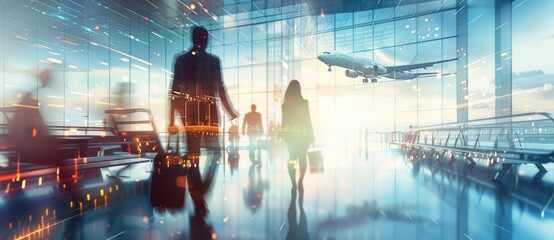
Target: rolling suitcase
point(168, 179)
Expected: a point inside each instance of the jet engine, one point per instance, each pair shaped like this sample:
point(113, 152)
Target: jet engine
point(351, 74)
point(378, 69)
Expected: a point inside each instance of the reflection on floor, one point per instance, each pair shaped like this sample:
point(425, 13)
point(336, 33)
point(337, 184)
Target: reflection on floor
point(365, 192)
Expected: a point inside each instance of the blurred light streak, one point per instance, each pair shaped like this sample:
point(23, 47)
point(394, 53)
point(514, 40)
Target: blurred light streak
point(506, 23)
point(117, 235)
point(53, 60)
point(139, 67)
point(474, 70)
point(70, 42)
point(48, 226)
point(42, 46)
point(484, 58)
point(122, 53)
point(166, 71)
point(158, 35)
point(105, 103)
point(152, 4)
point(519, 4)
point(18, 168)
point(56, 105)
point(76, 167)
point(82, 94)
point(53, 96)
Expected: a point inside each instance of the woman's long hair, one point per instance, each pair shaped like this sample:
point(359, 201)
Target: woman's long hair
point(293, 92)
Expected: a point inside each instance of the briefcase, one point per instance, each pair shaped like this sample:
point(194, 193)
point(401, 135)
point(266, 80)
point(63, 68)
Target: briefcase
point(168, 177)
point(315, 159)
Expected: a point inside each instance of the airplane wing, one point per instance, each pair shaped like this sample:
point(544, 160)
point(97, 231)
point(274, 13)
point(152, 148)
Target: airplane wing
point(427, 74)
point(401, 68)
point(433, 74)
point(419, 75)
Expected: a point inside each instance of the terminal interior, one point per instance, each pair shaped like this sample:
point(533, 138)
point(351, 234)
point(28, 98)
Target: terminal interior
point(462, 151)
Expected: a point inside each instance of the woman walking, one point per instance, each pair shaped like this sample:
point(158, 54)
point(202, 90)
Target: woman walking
point(297, 131)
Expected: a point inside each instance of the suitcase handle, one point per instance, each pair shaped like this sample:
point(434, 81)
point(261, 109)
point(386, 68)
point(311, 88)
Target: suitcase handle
point(173, 130)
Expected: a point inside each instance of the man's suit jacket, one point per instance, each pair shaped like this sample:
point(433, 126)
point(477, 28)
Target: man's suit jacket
point(253, 123)
point(198, 74)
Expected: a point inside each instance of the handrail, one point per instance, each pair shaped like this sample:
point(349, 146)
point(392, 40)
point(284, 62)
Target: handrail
point(545, 114)
point(122, 128)
point(526, 138)
point(86, 129)
point(126, 111)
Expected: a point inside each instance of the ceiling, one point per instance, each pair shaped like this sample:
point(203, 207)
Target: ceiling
point(210, 11)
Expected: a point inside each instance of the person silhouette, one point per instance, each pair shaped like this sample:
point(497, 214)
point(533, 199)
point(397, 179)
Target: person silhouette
point(197, 86)
point(297, 131)
point(28, 131)
point(252, 125)
point(234, 136)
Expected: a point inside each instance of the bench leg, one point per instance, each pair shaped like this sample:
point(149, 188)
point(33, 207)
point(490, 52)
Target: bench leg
point(452, 159)
point(540, 167)
point(504, 168)
point(470, 159)
point(538, 177)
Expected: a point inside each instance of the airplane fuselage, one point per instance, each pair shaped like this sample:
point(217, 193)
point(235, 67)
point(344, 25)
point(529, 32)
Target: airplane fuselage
point(362, 67)
point(349, 62)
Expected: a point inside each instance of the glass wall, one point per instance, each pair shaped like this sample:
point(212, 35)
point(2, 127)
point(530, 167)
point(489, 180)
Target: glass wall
point(481, 57)
point(102, 57)
point(533, 71)
point(407, 34)
point(120, 56)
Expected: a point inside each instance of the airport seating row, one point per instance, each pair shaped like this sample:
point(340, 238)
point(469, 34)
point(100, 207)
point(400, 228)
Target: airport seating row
point(129, 137)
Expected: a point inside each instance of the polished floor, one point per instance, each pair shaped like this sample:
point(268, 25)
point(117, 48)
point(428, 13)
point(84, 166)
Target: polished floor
point(366, 191)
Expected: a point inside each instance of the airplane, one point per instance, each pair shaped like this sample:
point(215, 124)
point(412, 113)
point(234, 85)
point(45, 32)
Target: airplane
point(362, 67)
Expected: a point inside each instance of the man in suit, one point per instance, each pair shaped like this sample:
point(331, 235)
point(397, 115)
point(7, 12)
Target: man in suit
point(252, 125)
point(196, 90)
